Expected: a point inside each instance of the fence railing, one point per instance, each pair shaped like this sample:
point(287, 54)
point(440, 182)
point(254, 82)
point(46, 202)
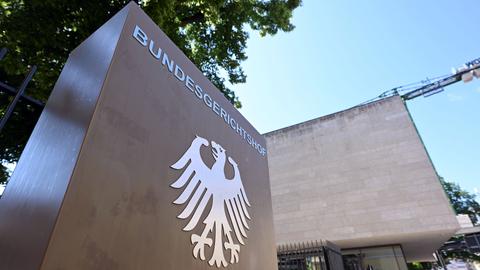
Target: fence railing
point(17, 92)
point(313, 255)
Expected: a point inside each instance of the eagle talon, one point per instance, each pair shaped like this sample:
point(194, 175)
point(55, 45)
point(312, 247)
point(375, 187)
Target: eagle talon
point(234, 250)
point(218, 261)
point(199, 248)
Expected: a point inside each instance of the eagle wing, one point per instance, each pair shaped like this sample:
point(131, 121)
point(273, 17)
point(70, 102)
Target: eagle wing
point(236, 202)
point(195, 178)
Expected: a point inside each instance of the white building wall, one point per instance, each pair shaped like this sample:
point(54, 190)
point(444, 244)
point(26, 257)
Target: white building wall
point(360, 177)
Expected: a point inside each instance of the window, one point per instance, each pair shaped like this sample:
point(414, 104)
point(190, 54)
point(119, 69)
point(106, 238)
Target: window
point(378, 258)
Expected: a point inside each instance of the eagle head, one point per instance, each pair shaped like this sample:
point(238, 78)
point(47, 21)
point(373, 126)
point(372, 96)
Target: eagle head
point(218, 152)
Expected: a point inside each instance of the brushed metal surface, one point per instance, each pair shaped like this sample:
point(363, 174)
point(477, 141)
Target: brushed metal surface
point(93, 187)
point(32, 200)
point(119, 212)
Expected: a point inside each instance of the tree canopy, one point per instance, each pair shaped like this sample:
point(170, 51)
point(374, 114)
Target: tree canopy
point(463, 202)
point(212, 33)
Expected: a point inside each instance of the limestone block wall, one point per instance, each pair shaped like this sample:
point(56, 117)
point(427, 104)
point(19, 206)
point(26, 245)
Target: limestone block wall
point(359, 177)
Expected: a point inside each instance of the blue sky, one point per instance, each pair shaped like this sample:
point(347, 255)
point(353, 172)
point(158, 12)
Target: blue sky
point(343, 53)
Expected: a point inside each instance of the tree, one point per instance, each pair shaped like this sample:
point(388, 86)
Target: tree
point(212, 33)
point(421, 266)
point(16, 133)
point(460, 252)
point(462, 201)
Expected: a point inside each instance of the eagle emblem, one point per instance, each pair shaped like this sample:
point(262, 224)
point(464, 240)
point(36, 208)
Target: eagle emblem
point(228, 209)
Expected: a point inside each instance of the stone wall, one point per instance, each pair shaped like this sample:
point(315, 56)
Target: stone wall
point(360, 177)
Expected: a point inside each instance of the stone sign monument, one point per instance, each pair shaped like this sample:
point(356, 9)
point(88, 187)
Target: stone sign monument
point(137, 162)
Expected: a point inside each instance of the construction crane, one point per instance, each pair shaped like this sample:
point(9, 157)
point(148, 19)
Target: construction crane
point(429, 87)
point(465, 74)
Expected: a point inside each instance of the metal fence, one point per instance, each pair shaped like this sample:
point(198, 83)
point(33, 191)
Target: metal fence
point(315, 255)
point(469, 243)
point(18, 93)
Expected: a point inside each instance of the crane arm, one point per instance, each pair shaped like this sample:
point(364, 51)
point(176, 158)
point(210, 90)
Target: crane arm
point(437, 86)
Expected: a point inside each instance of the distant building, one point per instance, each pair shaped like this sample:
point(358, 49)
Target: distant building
point(362, 179)
point(458, 265)
point(464, 221)
point(466, 240)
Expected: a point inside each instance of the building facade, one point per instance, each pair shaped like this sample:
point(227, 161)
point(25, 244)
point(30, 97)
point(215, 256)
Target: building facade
point(362, 179)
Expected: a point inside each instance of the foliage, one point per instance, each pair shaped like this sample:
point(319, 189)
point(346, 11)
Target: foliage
point(212, 33)
point(16, 132)
point(462, 254)
point(3, 175)
point(420, 266)
point(462, 201)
